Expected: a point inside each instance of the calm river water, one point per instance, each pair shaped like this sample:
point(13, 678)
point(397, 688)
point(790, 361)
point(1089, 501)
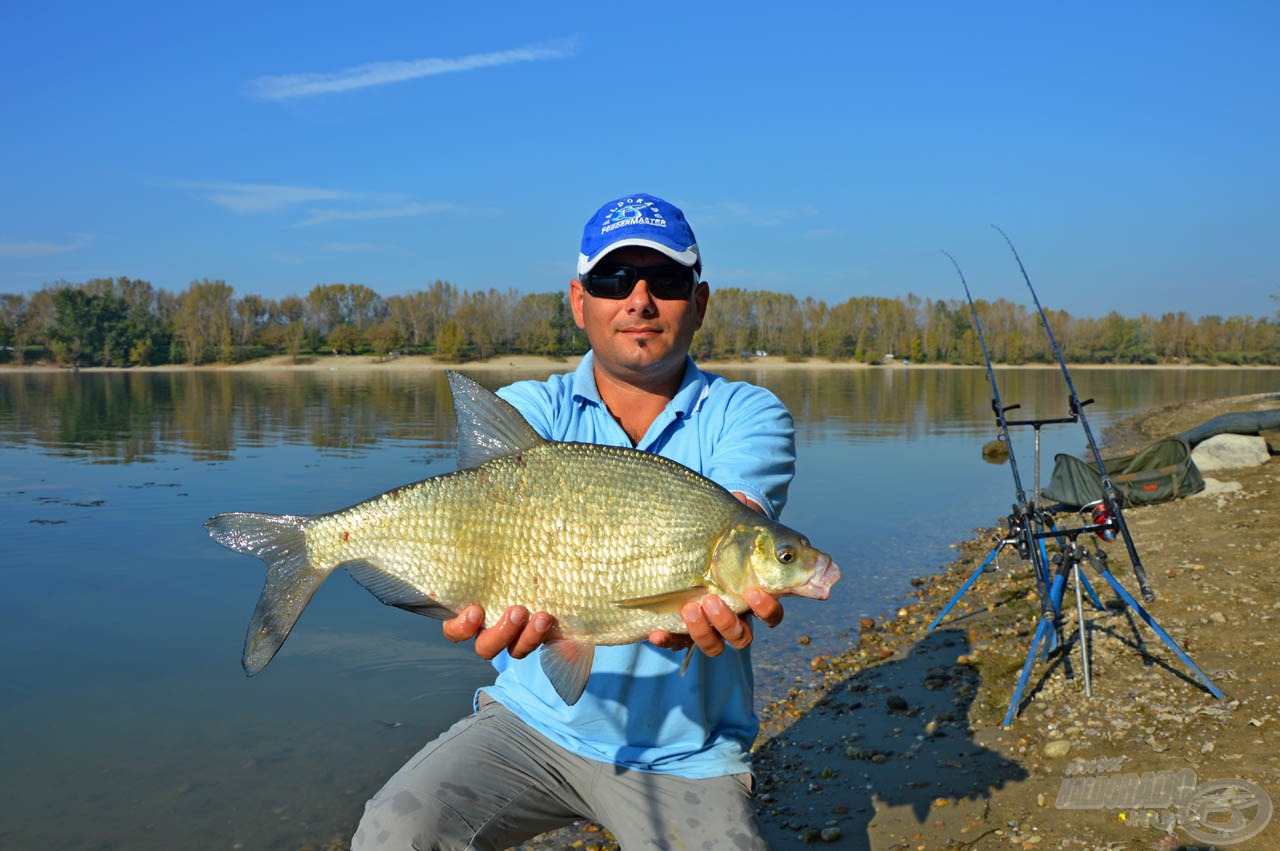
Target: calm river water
point(125, 719)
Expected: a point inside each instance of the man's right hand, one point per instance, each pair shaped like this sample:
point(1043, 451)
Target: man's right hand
point(514, 632)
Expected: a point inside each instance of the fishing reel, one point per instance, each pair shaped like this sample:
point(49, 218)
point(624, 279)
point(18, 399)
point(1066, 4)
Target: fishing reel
point(1017, 535)
point(1100, 515)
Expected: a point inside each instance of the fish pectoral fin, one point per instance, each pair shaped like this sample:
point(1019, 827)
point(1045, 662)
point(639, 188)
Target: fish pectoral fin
point(567, 664)
point(666, 603)
point(394, 591)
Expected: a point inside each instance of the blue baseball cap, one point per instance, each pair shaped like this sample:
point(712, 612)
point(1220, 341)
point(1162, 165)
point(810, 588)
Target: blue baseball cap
point(638, 219)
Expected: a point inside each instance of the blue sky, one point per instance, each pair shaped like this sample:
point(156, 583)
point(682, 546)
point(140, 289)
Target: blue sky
point(827, 150)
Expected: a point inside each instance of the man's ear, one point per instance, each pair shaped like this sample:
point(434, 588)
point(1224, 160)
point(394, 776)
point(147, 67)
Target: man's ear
point(701, 295)
point(576, 295)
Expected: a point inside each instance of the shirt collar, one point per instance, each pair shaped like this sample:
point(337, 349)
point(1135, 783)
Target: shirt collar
point(689, 397)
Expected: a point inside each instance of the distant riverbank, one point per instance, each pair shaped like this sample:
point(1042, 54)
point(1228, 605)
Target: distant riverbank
point(541, 364)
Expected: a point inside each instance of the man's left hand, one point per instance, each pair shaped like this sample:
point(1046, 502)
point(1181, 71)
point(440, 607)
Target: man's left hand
point(712, 624)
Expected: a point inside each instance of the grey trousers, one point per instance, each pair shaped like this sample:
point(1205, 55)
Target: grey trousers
point(491, 781)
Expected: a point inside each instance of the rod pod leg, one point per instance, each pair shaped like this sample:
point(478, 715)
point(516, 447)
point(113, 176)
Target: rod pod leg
point(1042, 630)
point(1100, 565)
point(965, 587)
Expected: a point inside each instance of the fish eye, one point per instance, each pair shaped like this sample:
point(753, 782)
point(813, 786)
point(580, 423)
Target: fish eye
point(786, 554)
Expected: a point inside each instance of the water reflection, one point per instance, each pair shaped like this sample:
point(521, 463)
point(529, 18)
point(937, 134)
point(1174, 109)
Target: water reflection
point(124, 418)
point(128, 418)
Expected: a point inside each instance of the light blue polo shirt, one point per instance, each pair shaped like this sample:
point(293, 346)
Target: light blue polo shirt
point(637, 710)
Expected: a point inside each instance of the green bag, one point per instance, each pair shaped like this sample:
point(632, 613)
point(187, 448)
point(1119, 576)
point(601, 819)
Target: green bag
point(1158, 472)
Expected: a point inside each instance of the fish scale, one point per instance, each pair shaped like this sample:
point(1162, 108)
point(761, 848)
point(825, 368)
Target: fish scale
point(610, 541)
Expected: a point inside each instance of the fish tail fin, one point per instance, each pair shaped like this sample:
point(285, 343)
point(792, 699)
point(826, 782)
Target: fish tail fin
point(292, 578)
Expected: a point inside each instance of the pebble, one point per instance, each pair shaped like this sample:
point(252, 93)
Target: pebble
point(830, 834)
point(1057, 748)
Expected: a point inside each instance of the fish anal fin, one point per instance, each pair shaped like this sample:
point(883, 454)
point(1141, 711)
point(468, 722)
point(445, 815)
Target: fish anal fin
point(666, 603)
point(394, 591)
point(567, 664)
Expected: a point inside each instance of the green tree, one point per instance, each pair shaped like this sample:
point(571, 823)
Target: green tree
point(251, 315)
point(330, 305)
point(204, 320)
point(13, 313)
point(384, 338)
point(90, 326)
point(295, 336)
point(343, 339)
point(450, 342)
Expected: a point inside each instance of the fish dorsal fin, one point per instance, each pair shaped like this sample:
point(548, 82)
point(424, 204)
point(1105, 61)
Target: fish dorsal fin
point(666, 603)
point(488, 427)
point(567, 664)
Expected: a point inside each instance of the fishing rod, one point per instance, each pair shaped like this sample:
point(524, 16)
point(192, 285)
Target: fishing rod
point(1109, 495)
point(1021, 520)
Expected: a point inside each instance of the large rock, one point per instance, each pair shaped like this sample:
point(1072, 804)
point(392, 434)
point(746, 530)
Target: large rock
point(1229, 451)
point(1213, 487)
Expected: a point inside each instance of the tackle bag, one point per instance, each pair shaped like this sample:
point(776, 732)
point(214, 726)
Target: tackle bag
point(1158, 472)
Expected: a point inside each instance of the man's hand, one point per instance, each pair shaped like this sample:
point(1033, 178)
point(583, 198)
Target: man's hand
point(514, 632)
point(712, 624)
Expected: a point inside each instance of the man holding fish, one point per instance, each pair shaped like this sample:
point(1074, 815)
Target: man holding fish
point(655, 744)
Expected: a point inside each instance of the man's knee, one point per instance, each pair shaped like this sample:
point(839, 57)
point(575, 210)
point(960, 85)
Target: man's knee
point(404, 820)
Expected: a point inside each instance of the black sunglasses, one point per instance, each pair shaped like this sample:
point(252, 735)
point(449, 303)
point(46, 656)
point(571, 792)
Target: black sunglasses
point(669, 281)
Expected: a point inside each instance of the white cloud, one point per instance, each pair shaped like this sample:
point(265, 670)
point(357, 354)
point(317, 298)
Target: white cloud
point(255, 199)
point(382, 73)
point(320, 217)
point(42, 249)
point(251, 198)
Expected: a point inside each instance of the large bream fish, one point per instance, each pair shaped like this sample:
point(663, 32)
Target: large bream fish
point(611, 542)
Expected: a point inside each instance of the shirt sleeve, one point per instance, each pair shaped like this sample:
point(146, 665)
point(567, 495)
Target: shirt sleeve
point(535, 402)
point(755, 451)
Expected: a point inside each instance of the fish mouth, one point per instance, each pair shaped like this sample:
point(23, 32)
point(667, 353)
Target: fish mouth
point(825, 574)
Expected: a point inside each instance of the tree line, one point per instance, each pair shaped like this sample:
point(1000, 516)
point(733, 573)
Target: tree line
point(126, 322)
